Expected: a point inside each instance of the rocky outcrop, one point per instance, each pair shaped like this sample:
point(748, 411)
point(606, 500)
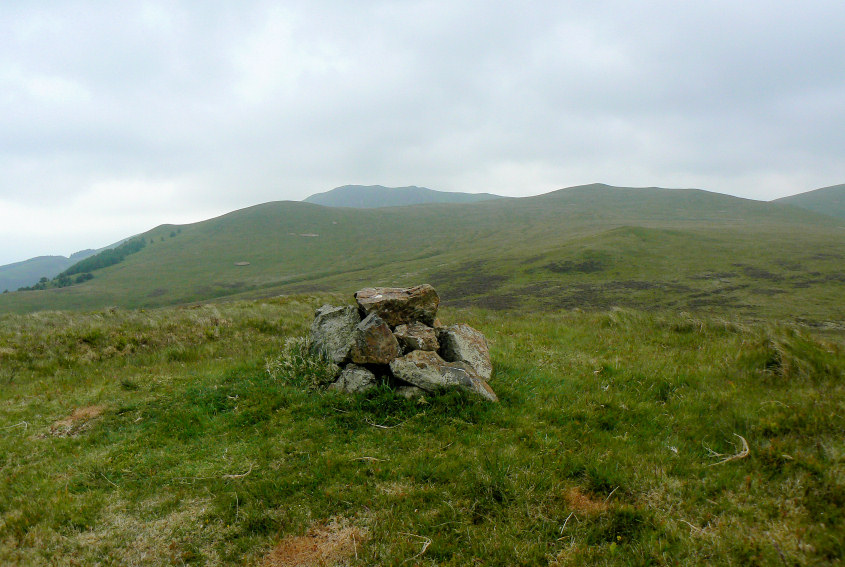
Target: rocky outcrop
point(427, 371)
point(462, 343)
point(394, 336)
point(399, 305)
point(332, 331)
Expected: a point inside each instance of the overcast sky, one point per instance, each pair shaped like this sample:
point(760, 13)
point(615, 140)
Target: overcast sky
point(119, 116)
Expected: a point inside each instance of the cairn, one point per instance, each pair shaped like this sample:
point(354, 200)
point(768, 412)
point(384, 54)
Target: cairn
point(393, 336)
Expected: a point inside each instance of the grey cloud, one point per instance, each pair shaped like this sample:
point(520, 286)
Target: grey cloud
point(243, 103)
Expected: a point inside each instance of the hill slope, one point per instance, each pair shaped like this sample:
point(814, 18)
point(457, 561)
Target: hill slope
point(375, 196)
point(28, 272)
point(589, 247)
point(827, 201)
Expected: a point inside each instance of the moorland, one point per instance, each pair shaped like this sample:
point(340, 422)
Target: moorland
point(669, 366)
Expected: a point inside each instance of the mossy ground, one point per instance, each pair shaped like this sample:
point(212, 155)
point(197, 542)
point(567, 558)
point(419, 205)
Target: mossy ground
point(603, 449)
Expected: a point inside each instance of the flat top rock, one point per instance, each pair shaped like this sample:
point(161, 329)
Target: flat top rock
point(397, 305)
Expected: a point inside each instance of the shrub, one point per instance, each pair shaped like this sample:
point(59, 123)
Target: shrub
point(299, 367)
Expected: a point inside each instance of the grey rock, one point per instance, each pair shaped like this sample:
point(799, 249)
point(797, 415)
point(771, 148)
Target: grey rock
point(416, 336)
point(400, 305)
point(462, 343)
point(373, 343)
point(354, 379)
point(410, 392)
point(426, 370)
point(332, 331)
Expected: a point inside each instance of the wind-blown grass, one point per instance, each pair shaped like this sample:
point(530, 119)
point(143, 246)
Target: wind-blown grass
point(604, 449)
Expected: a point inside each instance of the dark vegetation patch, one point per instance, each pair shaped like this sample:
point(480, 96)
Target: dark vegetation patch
point(714, 276)
point(586, 296)
point(554, 295)
point(495, 302)
point(532, 259)
point(721, 297)
point(629, 285)
point(816, 278)
point(827, 256)
point(158, 292)
point(590, 266)
point(759, 273)
point(723, 301)
point(466, 280)
point(766, 291)
point(790, 265)
point(717, 292)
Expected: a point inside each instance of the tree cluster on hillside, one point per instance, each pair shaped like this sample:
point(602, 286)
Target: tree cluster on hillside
point(106, 258)
point(82, 269)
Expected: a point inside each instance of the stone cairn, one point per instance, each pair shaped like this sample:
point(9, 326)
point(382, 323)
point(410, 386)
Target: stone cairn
point(393, 334)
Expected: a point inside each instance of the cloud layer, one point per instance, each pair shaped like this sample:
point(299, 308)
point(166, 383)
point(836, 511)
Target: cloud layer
point(116, 117)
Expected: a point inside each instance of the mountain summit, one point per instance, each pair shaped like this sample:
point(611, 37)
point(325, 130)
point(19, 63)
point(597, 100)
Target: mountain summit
point(827, 201)
point(376, 196)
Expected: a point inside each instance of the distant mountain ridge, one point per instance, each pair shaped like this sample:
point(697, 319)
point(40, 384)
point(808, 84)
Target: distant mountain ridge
point(827, 201)
point(28, 272)
point(592, 246)
point(377, 196)
point(290, 246)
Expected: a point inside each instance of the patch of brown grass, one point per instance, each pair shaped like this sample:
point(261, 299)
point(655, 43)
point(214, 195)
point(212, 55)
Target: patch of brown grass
point(325, 544)
point(77, 421)
point(581, 503)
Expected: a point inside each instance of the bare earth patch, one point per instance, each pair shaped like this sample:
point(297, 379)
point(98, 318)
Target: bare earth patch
point(325, 544)
point(583, 503)
point(76, 422)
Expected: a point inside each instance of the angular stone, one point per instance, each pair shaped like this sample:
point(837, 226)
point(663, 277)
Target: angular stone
point(462, 343)
point(354, 379)
point(332, 331)
point(400, 305)
point(416, 336)
point(409, 392)
point(426, 370)
point(373, 343)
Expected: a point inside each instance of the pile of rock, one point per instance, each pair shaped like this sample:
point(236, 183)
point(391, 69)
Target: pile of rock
point(394, 335)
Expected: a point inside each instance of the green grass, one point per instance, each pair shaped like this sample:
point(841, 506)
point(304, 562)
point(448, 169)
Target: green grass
point(601, 451)
point(827, 201)
point(590, 247)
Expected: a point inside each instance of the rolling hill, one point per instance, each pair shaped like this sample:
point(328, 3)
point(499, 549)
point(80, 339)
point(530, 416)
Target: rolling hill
point(657, 433)
point(827, 201)
point(28, 272)
point(375, 196)
point(588, 247)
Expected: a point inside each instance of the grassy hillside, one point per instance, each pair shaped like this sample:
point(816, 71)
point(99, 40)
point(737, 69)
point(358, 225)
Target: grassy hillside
point(158, 437)
point(827, 201)
point(28, 272)
point(589, 247)
point(670, 367)
point(374, 196)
